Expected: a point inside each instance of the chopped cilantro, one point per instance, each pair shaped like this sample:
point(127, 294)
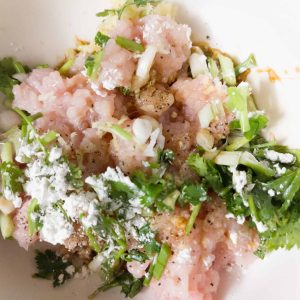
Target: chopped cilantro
point(101, 39)
point(130, 285)
point(52, 266)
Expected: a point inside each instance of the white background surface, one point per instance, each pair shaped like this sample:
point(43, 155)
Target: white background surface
point(38, 31)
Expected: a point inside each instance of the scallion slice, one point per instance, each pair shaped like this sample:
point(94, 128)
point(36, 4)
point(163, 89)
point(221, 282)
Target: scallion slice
point(250, 62)
point(161, 261)
point(227, 70)
point(129, 44)
point(192, 219)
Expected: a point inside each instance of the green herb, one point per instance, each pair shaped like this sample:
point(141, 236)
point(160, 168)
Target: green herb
point(125, 91)
point(93, 65)
point(161, 261)
point(34, 224)
point(12, 177)
point(74, 176)
point(65, 68)
point(227, 70)
point(193, 194)
point(42, 66)
point(192, 219)
point(212, 67)
point(249, 63)
point(130, 285)
point(256, 123)
point(121, 132)
point(9, 67)
point(101, 39)
point(119, 12)
point(129, 44)
point(166, 156)
point(51, 266)
point(135, 255)
point(238, 101)
point(7, 152)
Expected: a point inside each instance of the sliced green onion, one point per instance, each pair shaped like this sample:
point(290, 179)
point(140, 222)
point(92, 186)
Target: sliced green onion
point(249, 160)
point(32, 223)
point(149, 275)
point(49, 137)
point(205, 139)
point(6, 225)
point(192, 219)
point(161, 261)
point(97, 64)
point(227, 70)
point(65, 68)
point(129, 44)
point(238, 100)
point(198, 64)
point(212, 67)
point(206, 115)
point(228, 158)
point(7, 152)
point(250, 62)
point(122, 133)
point(170, 200)
point(236, 143)
point(252, 207)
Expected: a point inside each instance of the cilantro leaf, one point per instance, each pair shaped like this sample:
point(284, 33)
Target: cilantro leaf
point(130, 285)
point(74, 176)
point(193, 194)
point(51, 266)
point(9, 67)
point(135, 255)
point(101, 39)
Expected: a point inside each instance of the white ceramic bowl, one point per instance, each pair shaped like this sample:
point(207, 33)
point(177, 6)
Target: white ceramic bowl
point(38, 31)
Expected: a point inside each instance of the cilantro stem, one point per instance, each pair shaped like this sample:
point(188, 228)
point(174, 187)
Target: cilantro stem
point(247, 64)
point(192, 219)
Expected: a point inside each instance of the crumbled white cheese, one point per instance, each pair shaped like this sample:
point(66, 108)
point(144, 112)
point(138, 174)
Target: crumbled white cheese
point(239, 179)
point(78, 203)
point(55, 154)
point(13, 197)
point(91, 218)
point(284, 158)
point(259, 225)
point(271, 193)
point(56, 229)
point(280, 171)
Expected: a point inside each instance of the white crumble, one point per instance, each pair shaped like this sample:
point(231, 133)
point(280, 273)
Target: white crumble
point(239, 179)
point(271, 193)
point(284, 158)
